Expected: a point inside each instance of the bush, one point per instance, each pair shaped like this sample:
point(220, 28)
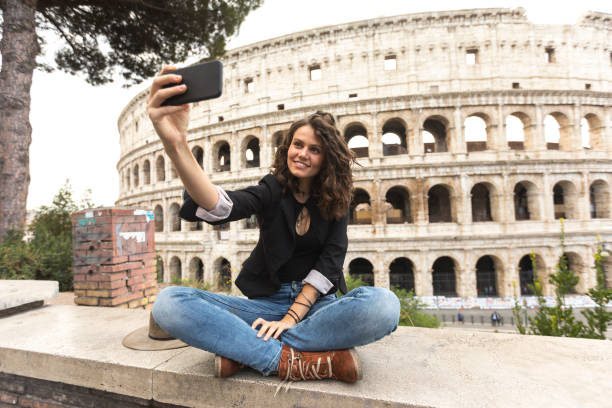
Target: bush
point(48, 256)
point(410, 315)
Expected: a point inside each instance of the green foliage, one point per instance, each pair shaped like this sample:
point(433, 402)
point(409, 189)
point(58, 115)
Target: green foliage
point(138, 36)
point(16, 258)
point(559, 320)
point(516, 312)
point(48, 256)
point(598, 318)
point(410, 314)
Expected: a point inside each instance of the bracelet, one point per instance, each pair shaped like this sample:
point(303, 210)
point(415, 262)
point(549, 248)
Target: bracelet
point(308, 300)
point(303, 304)
point(291, 314)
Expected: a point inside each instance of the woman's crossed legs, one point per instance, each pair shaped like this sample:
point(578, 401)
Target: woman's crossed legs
point(221, 324)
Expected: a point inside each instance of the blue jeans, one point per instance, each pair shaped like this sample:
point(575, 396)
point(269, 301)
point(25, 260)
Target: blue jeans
point(221, 324)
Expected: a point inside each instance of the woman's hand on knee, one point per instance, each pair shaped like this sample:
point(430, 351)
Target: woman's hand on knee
point(271, 329)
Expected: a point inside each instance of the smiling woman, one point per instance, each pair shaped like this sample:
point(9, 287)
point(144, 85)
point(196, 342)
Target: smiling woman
point(295, 269)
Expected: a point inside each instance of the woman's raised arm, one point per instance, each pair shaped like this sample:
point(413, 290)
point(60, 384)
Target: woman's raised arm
point(170, 123)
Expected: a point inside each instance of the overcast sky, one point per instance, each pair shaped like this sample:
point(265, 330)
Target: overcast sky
point(75, 125)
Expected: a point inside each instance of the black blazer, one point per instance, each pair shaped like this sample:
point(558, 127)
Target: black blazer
point(277, 214)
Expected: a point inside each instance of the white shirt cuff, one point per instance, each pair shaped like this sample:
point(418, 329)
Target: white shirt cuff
point(222, 209)
point(318, 281)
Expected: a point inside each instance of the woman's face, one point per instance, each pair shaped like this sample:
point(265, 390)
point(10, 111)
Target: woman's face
point(305, 155)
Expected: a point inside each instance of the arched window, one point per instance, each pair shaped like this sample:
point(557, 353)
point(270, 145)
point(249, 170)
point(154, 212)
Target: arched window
point(361, 268)
point(525, 202)
point(481, 203)
point(146, 172)
point(599, 198)
point(160, 168)
point(176, 274)
point(223, 271)
point(401, 274)
point(516, 125)
point(397, 206)
point(486, 282)
point(136, 176)
point(158, 212)
point(277, 139)
point(198, 153)
point(251, 153)
point(592, 131)
point(439, 204)
point(526, 275)
point(174, 217)
point(476, 133)
point(564, 197)
point(356, 137)
point(437, 127)
point(443, 277)
point(394, 138)
point(223, 157)
point(361, 210)
point(557, 131)
point(196, 270)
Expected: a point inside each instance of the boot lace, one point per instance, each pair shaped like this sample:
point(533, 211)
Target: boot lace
point(305, 370)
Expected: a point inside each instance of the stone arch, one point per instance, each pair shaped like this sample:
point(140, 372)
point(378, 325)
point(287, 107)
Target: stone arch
point(222, 156)
point(361, 208)
point(160, 168)
point(444, 277)
point(437, 127)
point(356, 136)
point(599, 199)
point(526, 205)
point(593, 130)
point(277, 140)
point(196, 269)
point(519, 131)
point(128, 178)
point(484, 202)
point(576, 264)
point(565, 200)
point(440, 204)
point(176, 272)
point(477, 130)
point(158, 213)
point(363, 269)
point(401, 274)
point(397, 205)
point(175, 221)
point(394, 137)
point(146, 172)
point(250, 152)
point(135, 173)
point(159, 268)
point(527, 274)
point(557, 131)
point(198, 154)
point(489, 270)
point(223, 274)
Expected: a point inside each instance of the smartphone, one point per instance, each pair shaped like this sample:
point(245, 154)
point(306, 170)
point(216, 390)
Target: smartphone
point(204, 81)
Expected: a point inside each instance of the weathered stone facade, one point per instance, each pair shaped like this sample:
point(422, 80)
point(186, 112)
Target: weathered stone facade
point(440, 210)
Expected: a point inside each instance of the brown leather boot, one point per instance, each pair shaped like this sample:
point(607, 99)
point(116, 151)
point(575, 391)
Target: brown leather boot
point(343, 365)
point(224, 367)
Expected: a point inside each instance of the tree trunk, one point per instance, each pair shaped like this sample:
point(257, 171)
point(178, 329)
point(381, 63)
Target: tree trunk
point(19, 48)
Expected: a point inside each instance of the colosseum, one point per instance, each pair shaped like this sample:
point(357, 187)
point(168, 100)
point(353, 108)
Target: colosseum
point(477, 131)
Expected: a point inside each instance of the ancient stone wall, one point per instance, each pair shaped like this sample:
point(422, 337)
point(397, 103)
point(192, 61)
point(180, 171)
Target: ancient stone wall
point(476, 129)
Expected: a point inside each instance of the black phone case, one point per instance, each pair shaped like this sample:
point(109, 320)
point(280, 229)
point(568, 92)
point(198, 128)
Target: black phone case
point(204, 81)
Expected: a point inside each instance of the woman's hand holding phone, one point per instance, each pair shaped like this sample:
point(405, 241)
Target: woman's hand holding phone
point(170, 122)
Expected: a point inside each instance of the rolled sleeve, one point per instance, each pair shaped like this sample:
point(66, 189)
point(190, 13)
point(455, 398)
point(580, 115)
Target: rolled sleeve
point(317, 280)
point(222, 209)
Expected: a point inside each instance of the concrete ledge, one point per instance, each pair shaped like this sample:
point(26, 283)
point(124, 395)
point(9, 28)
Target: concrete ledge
point(16, 294)
point(413, 367)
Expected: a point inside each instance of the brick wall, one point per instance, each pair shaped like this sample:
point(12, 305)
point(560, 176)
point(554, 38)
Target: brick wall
point(26, 392)
point(114, 257)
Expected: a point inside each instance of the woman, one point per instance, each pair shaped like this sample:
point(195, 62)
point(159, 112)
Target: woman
point(292, 323)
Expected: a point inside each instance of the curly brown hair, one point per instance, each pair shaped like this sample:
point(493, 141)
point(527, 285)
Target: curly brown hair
point(332, 187)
